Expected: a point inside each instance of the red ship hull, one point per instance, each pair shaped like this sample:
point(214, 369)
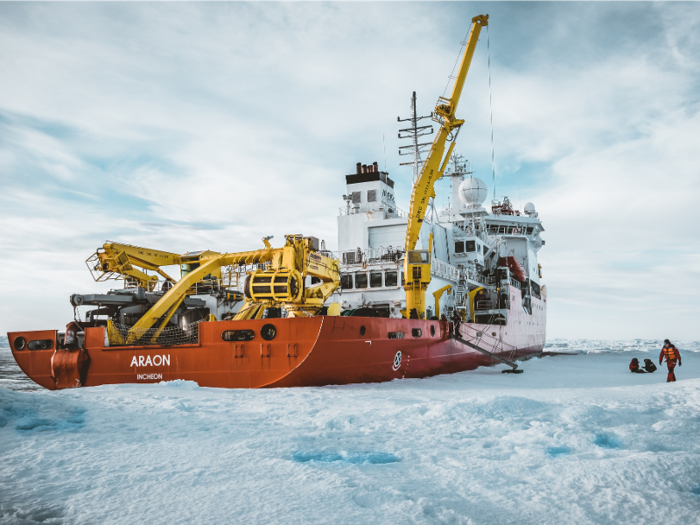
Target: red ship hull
point(311, 351)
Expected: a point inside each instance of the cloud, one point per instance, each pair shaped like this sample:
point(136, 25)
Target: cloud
point(192, 126)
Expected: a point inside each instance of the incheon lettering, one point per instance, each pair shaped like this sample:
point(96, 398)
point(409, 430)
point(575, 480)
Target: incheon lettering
point(147, 377)
point(147, 360)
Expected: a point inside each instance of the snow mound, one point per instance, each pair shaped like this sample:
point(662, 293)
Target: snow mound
point(576, 439)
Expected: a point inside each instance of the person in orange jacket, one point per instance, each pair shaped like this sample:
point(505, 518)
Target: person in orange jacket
point(672, 355)
point(634, 367)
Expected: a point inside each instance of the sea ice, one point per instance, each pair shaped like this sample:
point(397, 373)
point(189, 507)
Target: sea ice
point(575, 439)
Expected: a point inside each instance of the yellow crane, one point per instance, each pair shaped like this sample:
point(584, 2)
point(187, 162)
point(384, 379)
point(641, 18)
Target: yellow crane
point(437, 295)
point(280, 283)
point(124, 261)
point(417, 262)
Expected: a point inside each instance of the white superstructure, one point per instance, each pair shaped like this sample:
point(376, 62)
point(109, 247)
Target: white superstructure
point(482, 254)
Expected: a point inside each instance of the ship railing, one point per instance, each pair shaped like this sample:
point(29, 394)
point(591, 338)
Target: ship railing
point(371, 255)
point(213, 287)
point(445, 270)
point(390, 254)
point(470, 273)
point(389, 209)
point(222, 286)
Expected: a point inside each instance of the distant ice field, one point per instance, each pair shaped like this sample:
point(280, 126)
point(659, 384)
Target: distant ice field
point(574, 439)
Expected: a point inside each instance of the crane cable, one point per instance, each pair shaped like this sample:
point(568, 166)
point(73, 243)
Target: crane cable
point(493, 151)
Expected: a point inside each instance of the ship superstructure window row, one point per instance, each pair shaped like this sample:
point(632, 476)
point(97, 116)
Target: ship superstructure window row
point(378, 279)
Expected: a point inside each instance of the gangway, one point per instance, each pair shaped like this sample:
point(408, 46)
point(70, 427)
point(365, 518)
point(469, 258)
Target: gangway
point(514, 366)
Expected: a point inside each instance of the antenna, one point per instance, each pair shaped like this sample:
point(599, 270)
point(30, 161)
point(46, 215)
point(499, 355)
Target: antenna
point(384, 144)
point(413, 133)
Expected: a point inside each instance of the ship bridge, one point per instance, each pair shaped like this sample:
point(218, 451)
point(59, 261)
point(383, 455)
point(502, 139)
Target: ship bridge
point(371, 238)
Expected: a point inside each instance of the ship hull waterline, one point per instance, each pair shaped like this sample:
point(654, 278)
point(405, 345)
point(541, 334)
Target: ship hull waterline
point(314, 351)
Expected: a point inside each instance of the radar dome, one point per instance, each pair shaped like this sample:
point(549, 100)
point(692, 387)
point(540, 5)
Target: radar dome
point(472, 191)
point(530, 209)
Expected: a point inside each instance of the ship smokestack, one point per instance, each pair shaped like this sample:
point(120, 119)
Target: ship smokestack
point(364, 168)
point(359, 168)
point(376, 167)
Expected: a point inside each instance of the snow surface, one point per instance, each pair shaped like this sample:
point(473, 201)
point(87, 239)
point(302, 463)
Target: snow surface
point(574, 439)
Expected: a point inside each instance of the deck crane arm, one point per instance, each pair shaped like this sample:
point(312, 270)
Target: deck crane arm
point(124, 261)
point(281, 282)
point(161, 312)
point(417, 262)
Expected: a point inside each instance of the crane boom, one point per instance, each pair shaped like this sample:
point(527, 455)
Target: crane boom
point(280, 283)
point(444, 114)
point(417, 262)
point(124, 261)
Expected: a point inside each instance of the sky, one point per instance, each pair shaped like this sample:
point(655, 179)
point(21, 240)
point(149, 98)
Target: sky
point(186, 126)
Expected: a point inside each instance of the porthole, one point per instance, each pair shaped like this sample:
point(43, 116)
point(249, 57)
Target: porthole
point(363, 330)
point(416, 332)
point(41, 344)
point(432, 330)
point(20, 343)
point(238, 335)
point(268, 332)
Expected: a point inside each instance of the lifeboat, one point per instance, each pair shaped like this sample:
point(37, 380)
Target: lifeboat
point(516, 269)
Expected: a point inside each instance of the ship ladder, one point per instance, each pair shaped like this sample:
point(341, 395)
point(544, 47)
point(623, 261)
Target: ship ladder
point(514, 366)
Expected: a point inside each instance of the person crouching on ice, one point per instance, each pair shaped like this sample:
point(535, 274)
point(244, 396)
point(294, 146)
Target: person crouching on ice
point(672, 355)
point(634, 367)
point(649, 366)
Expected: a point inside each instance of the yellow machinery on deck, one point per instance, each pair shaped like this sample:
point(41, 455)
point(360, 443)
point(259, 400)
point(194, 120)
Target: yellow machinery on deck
point(124, 261)
point(417, 262)
point(279, 280)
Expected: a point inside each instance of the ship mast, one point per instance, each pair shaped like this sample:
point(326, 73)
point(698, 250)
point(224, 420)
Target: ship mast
point(413, 133)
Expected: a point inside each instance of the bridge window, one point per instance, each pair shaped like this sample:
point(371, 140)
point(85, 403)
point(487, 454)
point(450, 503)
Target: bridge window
point(390, 279)
point(360, 280)
point(375, 279)
point(471, 246)
point(371, 195)
point(346, 281)
point(459, 246)
point(356, 197)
